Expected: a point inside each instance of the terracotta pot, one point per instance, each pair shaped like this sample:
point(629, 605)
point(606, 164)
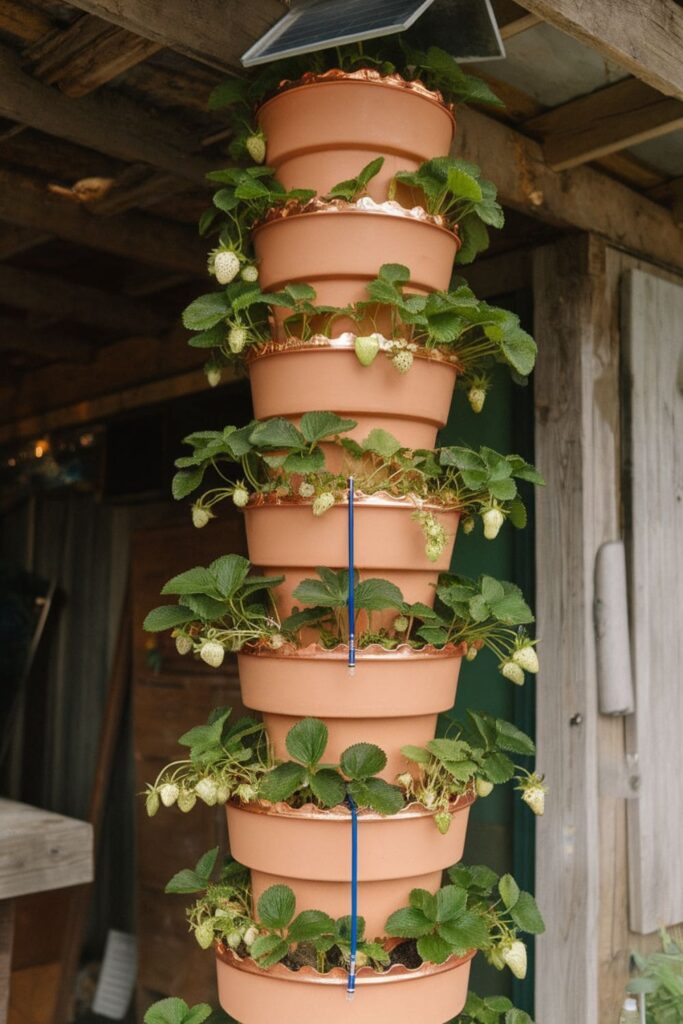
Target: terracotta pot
point(411, 406)
point(310, 851)
point(288, 539)
point(322, 133)
point(432, 994)
point(339, 251)
point(392, 699)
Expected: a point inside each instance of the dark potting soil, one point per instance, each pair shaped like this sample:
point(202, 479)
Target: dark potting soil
point(305, 956)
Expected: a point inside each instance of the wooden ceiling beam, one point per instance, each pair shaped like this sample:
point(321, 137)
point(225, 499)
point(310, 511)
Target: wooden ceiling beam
point(137, 187)
point(16, 335)
point(85, 55)
point(26, 203)
point(582, 198)
point(107, 122)
point(513, 19)
point(66, 300)
point(26, 23)
point(644, 38)
point(15, 240)
point(604, 122)
point(213, 32)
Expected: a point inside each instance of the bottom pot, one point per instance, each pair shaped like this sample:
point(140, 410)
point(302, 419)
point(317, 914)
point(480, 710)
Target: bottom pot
point(430, 994)
point(310, 851)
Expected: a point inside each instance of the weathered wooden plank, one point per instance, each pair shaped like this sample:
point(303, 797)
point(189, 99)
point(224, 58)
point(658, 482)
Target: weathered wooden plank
point(16, 335)
point(107, 122)
point(26, 23)
point(66, 300)
point(87, 54)
point(138, 188)
point(569, 438)
point(644, 38)
point(580, 197)
point(652, 318)
point(611, 119)
point(26, 203)
point(40, 850)
point(512, 19)
point(214, 32)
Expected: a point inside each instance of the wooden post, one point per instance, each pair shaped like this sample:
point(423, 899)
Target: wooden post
point(575, 438)
point(6, 937)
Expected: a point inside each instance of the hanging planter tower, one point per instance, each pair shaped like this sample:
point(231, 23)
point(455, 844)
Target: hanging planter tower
point(336, 240)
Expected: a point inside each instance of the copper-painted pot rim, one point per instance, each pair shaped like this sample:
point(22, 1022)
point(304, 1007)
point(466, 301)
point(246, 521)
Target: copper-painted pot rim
point(408, 502)
point(338, 976)
point(364, 76)
point(317, 208)
point(310, 812)
point(344, 344)
point(372, 653)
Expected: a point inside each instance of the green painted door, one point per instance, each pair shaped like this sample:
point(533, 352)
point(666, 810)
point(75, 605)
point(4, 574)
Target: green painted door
point(501, 831)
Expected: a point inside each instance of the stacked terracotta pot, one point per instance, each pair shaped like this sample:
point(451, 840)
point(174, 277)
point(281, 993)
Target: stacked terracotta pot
point(318, 134)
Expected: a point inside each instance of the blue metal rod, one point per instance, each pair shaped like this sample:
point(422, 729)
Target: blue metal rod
point(351, 985)
point(352, 596)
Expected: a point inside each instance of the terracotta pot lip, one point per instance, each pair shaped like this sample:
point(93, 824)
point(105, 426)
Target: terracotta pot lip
point(343, 343)
point(371, 653)
point(338, 208)
point(309, 812)
point(380, 499)
point(338, 976)
point(363, 76)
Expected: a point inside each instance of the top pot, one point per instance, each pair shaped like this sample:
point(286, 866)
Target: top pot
point(324, 132)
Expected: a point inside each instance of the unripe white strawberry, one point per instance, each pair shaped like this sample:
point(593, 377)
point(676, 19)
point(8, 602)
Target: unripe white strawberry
point(276, 641)
point(493, 519)
point(203, 933)
point(152, 802)
point(476, 397)
point(201, 516)
point(362, 959)
point(495, 958)
point(222, 793)
point(403, 360)
point(207, 791)
point(169, 793)
point(186, 800)
point(234, 940)
point(401, 623)
point(366, 348)
point(240, 496)
point(213, 376)
point(405, 779)
point(226, 265)
point(212, 653)
point(306, 490)
point(484, 787)
point(534, 797)
point(246, 793)
point(514, 956)
point(526, 658)
point(468, 524)
point(433, 550)
point(472, 652)
point(237, 339)
point(513, 672)
point(183, 644)
point(256, 147)
point(322, 503)
point(250, 936)
point(249, 273)
point(442, 820)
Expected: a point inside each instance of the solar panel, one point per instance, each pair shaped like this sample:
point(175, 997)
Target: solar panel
point(318, 24)
point(466, 29)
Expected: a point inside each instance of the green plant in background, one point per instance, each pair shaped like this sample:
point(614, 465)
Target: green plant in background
point(493, 1010)
point(660, 980)
point(176, 1011)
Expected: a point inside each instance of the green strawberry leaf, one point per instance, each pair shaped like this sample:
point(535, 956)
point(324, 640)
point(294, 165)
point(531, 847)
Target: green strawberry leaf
point(328, 787)
point(434, 949)
point(306, 741)
point(316, 426)
point(268, 950)
point(362, 760)
point(280, 783)
point(276, 906)
point(310, 925)
point(526, 915)
point(167, 616)
point(408, 923)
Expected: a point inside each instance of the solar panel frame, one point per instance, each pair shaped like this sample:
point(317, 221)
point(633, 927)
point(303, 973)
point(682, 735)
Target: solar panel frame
point(270, 46)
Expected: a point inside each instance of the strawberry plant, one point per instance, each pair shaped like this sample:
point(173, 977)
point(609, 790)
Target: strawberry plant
point(492, 1010)
point(176, 1011)
point(305, 780)
point(217, 610)
point(660, 980)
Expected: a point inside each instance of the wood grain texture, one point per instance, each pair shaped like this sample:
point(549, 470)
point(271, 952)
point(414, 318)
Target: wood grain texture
point(570, 425)
point(580, 197)
point(107, 122)
point(644, 38)
point(214, 32)
point(603, 122)
point(26, 202)
point(41, 850)
point(87, 54)
point(653, 319)
point(6, 943)
point(14, 240)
